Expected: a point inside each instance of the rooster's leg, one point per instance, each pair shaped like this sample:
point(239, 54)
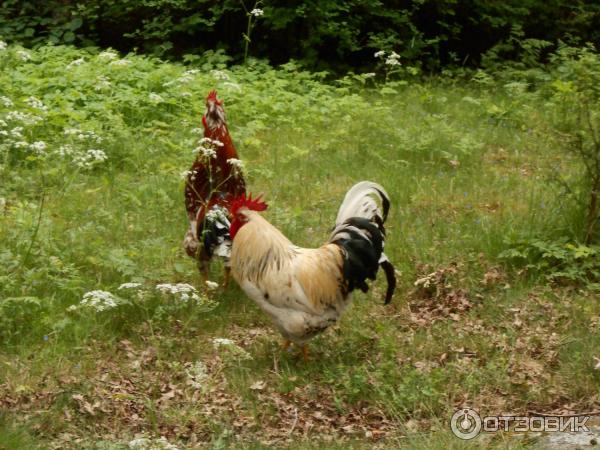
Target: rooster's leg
point(305, 352)
point(286, 344)
point(203, 268)
point(226, 274)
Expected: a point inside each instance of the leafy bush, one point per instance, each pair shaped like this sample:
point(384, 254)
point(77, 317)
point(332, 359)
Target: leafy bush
point(569, 97)
point(575, 98)
point(558, 261)
point(328, 33)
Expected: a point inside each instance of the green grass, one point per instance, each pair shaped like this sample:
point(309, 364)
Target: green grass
point(466, 167)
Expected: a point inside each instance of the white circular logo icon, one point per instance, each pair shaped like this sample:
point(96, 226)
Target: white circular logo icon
point(465, 423)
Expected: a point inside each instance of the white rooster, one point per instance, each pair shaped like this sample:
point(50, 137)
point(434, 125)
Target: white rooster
point(304, 290)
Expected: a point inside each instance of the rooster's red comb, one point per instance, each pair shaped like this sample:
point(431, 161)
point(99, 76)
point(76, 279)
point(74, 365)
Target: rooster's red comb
point(247, 202)
point(212, 97)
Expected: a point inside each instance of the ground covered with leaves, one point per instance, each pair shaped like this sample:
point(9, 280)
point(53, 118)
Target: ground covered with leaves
point(111, 341)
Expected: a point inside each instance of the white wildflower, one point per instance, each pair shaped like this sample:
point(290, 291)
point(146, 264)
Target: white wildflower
point(102, 82)
point(97, 155)
point(379, 54)
point(219, 75)
point(24, 55)
point(257, 12)
point(36, 103)
point(211, 142)
point(185, 78)
point(3, 124)
point(236, 164)
point(185, 174)
point(90, 158)
point(185, 94)
point(17, 132)
point(206, 152)
point(76, 62)
point(393, 59)
point(183, 291)
point(231, 348)
point(98, 300)
point(369, 75)
point(145, 443)
point(196, 373)
point(155, 98)
point(130, 286)
point(218, 342)
point(3, 133)
point(21, 144)
point(65, 150)
point(109, 55)
point(217, 214)
point(234, 86)
point(139, 443)
point(197, 131)
point(83, 135)
point(7, 102)
point(70, 131)
point(191, 72)
point(26, 118)
point(120, 63)
point(15, 116)
point(211, 285)
point(3, 45)
point(39, 147)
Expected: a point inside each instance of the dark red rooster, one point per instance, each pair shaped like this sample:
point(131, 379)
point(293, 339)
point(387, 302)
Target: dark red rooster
point(212, 181)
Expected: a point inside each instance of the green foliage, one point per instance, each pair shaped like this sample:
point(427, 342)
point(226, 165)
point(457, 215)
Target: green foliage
point(569, 100)
point(575, 94)
point(15, 312)
point(53, 21)
point(15, 437)
point(558, 261)
point(326, 34)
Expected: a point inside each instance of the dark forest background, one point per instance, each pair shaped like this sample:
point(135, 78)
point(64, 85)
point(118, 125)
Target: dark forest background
point(324, 34)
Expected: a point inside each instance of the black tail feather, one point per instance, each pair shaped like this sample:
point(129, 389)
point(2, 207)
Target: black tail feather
point(362, 242)
point(390, 275)
point(359, 230)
